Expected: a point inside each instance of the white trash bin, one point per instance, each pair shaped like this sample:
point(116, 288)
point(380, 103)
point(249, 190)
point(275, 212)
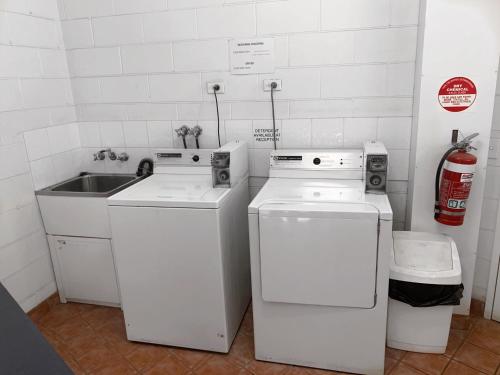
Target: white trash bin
point(421, 258)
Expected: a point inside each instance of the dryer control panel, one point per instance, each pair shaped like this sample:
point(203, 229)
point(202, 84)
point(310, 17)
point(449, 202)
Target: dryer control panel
point(376, 167)
point(317, 160)
point(338, 164)
point(369, 164)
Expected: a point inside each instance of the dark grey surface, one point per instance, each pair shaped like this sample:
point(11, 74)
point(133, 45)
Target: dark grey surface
point(23, 349)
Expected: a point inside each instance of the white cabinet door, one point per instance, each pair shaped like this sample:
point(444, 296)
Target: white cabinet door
point(85, 269)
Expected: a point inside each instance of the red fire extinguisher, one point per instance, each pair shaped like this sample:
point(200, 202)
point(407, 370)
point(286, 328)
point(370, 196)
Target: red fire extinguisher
point(458, 166)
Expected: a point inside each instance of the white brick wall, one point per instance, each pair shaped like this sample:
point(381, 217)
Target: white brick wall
point(490, 209)
point(38, 136)
point(347, 69)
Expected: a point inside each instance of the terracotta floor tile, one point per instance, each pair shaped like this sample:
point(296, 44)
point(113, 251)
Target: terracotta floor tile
point(39, 311)
point(403, 369)
point(92, 340)
point(48, 333)
point(98, 358)
point(462, 322)
point(455, 339)
point(190, 358)
point(316, 371)
point(86, 307)
point(431, 364)
point(394, 353)
point(242, 350)
point(457, 368)
point(54, 299)
point(81, 345)
point(219, 365)
point(478, 358)
point(101, 315)
point(116, 338)
point(62, 349)
point(246, 327)
point(491, 325)
point(73, 327)
point(486, 335)
point(121, 345)
point(389, 364)
point(117, 367)
point(477, 308)
point(74, 366)
point(146, 356)
point(266, 368)
point(169, 365)
point(297, 370)
point(58, 315)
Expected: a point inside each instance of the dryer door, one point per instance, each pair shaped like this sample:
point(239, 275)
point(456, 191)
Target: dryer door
point(319, 253)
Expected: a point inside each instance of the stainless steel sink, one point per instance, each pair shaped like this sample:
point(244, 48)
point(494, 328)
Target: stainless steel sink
point(91, 185)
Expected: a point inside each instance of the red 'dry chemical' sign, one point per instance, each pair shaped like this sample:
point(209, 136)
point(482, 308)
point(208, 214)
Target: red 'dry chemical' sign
point(457, 94)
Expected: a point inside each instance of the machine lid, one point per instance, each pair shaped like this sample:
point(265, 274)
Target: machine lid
point(346, 210)
point(424, 258)
point(322, 191)
point(169, 190)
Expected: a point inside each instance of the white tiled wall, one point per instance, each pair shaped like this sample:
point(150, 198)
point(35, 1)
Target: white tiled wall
point(491, 204)
point(39, 140)
point(140, 70)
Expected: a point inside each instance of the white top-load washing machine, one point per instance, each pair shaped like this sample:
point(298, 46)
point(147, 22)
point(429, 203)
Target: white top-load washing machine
point(180, 242)
point(320, 243)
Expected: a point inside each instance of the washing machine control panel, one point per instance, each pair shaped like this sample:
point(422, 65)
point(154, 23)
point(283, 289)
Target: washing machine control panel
point(182, 157)
point(317, 160)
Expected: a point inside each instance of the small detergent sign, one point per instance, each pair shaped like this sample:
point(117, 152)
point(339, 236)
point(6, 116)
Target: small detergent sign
point(457, 94)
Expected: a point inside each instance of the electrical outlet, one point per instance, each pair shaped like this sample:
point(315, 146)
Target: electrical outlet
point(267, 84)
point(210, 87)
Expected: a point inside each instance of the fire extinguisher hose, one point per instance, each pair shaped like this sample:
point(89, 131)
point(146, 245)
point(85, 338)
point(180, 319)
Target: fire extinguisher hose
point(438, 178)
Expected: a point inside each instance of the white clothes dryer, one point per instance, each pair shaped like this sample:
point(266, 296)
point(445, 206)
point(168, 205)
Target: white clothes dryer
point(320, 249)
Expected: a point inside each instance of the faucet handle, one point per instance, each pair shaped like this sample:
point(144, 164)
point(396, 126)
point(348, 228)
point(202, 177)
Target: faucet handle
point(196, 131)
point(99, 156)
point(182, 131)
point(123, 156)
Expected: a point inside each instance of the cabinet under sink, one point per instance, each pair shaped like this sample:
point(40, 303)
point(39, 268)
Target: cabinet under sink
point(76, 219)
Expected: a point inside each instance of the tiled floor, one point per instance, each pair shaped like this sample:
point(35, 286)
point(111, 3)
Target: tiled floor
point(92, 340)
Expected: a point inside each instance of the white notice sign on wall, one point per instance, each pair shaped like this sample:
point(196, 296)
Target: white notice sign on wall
point(252, 56)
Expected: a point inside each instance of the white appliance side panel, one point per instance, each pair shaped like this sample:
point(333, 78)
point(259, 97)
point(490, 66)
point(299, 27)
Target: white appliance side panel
point(84, 269)
point(169, 270)
point(324, 260)
point(236, 256)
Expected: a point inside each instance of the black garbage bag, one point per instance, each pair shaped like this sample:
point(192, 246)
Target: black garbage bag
point(425, 295)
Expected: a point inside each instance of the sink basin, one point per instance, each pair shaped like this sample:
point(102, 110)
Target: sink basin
point(91, 185)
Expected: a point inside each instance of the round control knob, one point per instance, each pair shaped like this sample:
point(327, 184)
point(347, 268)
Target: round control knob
point(223, 176)
point(196, 158)
point(375, 180)
point(316, 161)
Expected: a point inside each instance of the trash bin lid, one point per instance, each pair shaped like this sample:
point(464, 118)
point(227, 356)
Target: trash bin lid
point(425, 258)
